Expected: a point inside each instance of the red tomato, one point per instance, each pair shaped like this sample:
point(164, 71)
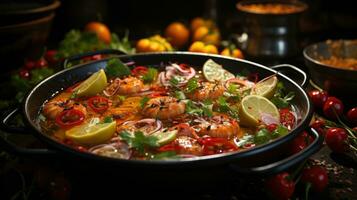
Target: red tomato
point(318, 98)
point(50, 56)
point(41, 63)
point(98, 104)
point(319, 125)
point(24, 73)
point(352, 115)
point(280, 186)
point(69, 118)
point(287, 118)
point(336, 139)
point(317, 176)
point(29, 64)
point(332, 107)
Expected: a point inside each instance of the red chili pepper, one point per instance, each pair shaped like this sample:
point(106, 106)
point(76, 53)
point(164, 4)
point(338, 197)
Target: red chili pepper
point(184, 67)
point(98, 104)
point(139, 71)
point(272, 127)
point(69, 118)
point(287, 118)
point(216, 145)
point(172, 146)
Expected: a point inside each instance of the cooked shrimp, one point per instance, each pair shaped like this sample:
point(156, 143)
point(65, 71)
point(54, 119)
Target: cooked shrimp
point(207, 90)
point(129, 85)
point(220, 126)
point(188, 145)
point(164, 107)
point(56, 105)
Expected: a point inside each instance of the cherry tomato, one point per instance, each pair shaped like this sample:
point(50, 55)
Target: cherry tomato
point(24, 73)
point(336, 139)
point(287, 118)
point(300, 142)
point(318, 98)
point(216, 145)
point(139, 71)
point(331, 106)
point(315, 175)
point(69, 118)
point(352, 115)
point(98, 104)
point(319, 125)
point(280, 186)
point(41, 63)
point(50, 56)
point(29, 64)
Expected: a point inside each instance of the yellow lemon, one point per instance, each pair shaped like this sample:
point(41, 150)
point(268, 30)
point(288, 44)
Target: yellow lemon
point(92, 85)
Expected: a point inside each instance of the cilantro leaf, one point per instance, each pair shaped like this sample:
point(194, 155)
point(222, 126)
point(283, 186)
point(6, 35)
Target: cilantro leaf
point(117, 68)
point(107, 119)
point(180, 95)
point(224, 107)
point(139, 141)
point(150, 76)
point(280, 99)
point(143, 101)
point(279, 131)
point(174, 81)
point(192, 85)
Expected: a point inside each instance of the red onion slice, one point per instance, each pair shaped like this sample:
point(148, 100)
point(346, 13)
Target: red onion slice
point(268, 119)
point(114, 150)
point(146, 125)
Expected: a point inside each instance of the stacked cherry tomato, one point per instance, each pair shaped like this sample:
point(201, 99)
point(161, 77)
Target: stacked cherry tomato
point(49, 58)
point(336, 134)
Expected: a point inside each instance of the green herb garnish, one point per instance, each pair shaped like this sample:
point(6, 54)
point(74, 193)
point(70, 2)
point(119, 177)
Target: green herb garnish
point(262, 136)
point(150, 76)
point(224, 107)
point(107, 119)
point(139, 141)
point(280, 99)
point(116, 68)
point(192, 85)
point(180, 95)
point(143, 101)
point(279, 131)
point(174, 81)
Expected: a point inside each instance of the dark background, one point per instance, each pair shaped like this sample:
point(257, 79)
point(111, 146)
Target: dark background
point(325, 19)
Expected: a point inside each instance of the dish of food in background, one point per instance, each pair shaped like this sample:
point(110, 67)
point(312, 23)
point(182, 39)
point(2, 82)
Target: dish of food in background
point(332, 66)
point(271, 8)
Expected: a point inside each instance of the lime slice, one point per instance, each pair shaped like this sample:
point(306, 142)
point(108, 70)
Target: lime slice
point(212, 71)
point(91, 135)
point(92, 85)
point(266, 87)
point(253, 107)
point(165, 136)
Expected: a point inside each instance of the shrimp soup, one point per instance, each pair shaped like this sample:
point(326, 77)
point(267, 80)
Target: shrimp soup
point(170, 111)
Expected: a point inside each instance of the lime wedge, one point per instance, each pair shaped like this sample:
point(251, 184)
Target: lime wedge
point(212, 71)
point(91, 135)
point(165, 137)
point(266, 87)
point(253, 107)
point(92, 85)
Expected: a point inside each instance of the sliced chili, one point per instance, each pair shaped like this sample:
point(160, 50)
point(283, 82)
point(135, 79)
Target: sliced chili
point(139, 71)
point(69, 118)
point(98, 104)
point(216, 145)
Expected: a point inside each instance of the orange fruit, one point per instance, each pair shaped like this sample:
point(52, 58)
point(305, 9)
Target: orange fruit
point(197, 47)
point(200, 33)
point(210, 36)
point(100, 29)
point(235, 53)
point(177, 34)
point(196, 23)
point(211, 49)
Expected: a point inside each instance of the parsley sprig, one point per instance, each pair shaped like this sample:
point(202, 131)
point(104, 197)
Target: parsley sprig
point(139, 141)
point(116, 68)
point(280, 98)
point(150, 75)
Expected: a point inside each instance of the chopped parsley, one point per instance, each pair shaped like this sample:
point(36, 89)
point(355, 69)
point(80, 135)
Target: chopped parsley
point(150, 75)
point(139, 141)
point(107, 119)
point(180, 95)
point(174, 81)
point(224, 107)
point(202, 110)
point(116, 68)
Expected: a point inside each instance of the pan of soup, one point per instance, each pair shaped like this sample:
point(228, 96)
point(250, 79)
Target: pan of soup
point(169, 109)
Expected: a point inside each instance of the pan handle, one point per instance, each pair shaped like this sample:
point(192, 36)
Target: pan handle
point(282, 165)
point(291, 69)
point(68, 60)
point(10, 146)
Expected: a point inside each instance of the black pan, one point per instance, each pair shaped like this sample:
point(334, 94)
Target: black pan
point(265, 159)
